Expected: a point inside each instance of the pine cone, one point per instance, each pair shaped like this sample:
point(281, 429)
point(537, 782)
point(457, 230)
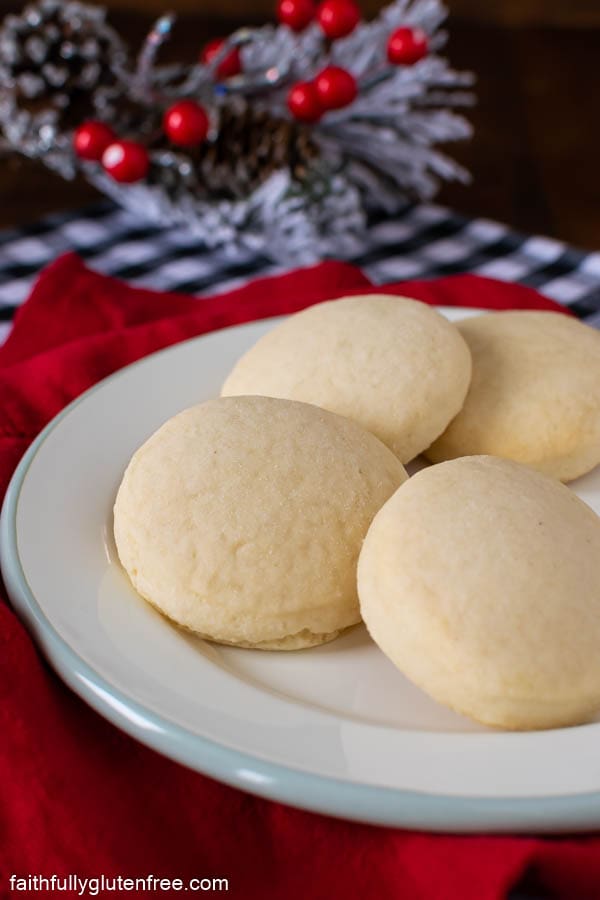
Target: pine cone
point(56, 58)
point(250, 145)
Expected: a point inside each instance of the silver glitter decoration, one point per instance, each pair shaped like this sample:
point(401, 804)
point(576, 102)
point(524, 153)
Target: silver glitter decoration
point(314, 197)
point(49, 60)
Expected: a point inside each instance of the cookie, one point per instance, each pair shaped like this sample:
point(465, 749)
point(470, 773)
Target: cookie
point(394, 365)
point(480, 580)
point(534, 396)
point(241, 519)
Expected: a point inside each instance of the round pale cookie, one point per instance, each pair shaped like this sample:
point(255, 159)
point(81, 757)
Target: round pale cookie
point(394, 365)
point(241, 519)
point(534, 395)
point(480, 580)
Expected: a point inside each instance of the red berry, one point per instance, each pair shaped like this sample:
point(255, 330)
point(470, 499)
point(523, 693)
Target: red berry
point(126, 161)
point(338, 18)
point(335, 87)
point(186, 123)
point(297, 14)
point(303, 102)
point(91, 139)
point(407, 46)
point(230, 66)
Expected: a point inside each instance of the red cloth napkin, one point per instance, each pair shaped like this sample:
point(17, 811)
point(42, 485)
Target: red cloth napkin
point(77, 795)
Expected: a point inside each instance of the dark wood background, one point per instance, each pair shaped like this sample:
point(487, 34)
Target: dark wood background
point(535, 157)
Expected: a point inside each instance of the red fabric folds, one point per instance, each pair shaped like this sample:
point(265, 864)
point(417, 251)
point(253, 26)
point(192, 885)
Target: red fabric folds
point(77, 795)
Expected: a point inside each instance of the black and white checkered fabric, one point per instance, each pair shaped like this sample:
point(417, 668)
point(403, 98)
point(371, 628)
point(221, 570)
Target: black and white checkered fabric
point(424, 241)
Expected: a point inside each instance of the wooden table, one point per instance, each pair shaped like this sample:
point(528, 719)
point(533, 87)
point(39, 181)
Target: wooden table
point(535, 156)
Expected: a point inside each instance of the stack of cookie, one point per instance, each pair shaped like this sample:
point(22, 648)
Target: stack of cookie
point(246, 519)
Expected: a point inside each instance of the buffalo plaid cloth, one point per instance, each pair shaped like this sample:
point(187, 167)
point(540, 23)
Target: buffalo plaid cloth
point(423, 241)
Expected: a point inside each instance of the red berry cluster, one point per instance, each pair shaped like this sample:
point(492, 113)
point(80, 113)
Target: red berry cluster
point(334, 87)
point(336, 18)
point(186, 124)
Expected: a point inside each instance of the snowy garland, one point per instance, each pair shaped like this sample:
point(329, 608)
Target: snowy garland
point(279, 139)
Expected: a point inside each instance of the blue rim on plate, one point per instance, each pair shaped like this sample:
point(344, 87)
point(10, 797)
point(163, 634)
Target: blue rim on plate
point(363, 803)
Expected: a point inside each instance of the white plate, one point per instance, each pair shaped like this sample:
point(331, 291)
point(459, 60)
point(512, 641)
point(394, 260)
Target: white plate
point(335, 729)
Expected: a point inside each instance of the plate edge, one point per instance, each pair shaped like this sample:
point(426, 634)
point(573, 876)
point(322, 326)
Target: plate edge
point(329, 796)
